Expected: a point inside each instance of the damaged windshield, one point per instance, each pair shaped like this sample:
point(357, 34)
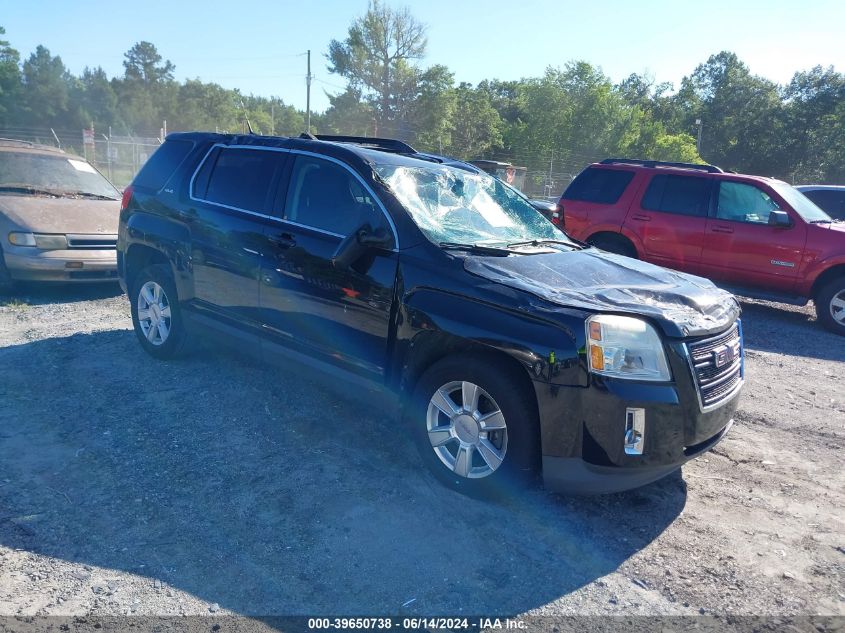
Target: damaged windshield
point(456, 206)
point(59, 175)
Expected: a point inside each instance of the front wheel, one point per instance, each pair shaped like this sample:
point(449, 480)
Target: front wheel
point(156, 315)
point(830, 305)
point(475, 426)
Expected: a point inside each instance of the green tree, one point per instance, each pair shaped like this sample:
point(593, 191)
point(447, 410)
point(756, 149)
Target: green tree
point(143, 63)
point(10, 79)
point(96, 99)
point(148, 95)
point(376, 58)
point(45, 89)
point(349, 114)
point(738, 111)
point(477, 125)
point(813, 125)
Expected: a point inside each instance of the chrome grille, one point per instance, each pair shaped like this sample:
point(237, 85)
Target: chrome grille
point(717, 365)
point(92, 242)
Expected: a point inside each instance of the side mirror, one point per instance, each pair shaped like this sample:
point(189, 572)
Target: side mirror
point(357, 244)
point(779, 219)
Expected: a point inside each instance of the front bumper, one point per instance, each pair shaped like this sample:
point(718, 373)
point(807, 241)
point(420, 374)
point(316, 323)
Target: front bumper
point(583, 429)
point(574, 475)
point(29, 264)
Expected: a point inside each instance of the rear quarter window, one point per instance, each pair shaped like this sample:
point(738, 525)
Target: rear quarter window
point(604, 186)
point(160, 166)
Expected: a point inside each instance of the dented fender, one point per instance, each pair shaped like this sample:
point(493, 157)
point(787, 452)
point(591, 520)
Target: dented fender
point(433, 321)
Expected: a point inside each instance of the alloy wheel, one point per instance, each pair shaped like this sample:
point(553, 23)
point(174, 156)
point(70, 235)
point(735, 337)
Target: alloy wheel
point(467, 429)
point(154, 315)
point(837, 307)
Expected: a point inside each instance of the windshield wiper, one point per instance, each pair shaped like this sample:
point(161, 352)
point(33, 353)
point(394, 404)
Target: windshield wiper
point(821, 221)
point(475, 248)
point(540, 242)
point(87, 194)
point(28, 189)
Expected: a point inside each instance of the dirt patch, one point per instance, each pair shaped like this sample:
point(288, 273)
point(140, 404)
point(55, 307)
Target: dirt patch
point(216, 485)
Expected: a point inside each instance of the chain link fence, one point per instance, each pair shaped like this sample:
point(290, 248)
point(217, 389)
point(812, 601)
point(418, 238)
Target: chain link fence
point(118, 157)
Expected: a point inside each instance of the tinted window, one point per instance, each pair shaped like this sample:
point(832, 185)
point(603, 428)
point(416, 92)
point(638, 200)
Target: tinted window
point(326, 196)
point(685, 195)
point(604, 186)
point(830, 200)
point(744, 203)
point(161, 165)
point(241, 178)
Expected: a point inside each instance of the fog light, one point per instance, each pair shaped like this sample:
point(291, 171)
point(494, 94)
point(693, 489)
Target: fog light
point(73, 264)
point(634, 431)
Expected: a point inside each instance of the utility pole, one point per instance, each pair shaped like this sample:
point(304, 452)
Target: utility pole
point(272, 118)
point(698, 139)
point(308, 96)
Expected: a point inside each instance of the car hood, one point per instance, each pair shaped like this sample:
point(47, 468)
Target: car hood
point(683, 305)
point(41, 214)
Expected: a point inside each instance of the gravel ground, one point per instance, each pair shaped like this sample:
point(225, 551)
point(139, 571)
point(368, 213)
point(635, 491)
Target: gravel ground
point(217, 485)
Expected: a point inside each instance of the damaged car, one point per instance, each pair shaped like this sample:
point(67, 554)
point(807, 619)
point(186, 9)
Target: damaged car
point(58, 217)
point(509, 350)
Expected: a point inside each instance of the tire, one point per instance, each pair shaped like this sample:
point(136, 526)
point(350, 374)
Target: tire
point(503, 458)
point(614, 244)
point(830, 305)
point(159, 327)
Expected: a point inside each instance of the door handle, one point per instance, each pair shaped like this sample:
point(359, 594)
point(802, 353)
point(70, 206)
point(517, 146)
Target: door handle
point(641, 218)
point(722, 229)
point(283, 240)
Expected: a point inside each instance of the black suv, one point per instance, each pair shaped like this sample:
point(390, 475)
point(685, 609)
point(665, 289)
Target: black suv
point(509, 349)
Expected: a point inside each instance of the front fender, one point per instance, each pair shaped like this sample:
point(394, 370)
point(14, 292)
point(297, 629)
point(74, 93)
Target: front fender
point(435, 322)
point(817, 269)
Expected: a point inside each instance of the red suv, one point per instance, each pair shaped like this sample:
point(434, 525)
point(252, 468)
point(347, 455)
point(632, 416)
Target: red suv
point(758, 236)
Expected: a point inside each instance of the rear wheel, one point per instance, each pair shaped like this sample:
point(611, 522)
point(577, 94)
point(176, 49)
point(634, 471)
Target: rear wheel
point(830, 305)
point(613, 244)
point(475, 426)
point(156, 315)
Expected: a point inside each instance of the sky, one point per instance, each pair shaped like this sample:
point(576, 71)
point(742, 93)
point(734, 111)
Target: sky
point(259, 46)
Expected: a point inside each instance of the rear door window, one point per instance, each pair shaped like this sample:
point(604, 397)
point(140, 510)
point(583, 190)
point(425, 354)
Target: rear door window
point(684, 195)
point(604, 186)
point(239, 178)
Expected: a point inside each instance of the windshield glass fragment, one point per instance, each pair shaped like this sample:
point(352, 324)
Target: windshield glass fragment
point(454, 205)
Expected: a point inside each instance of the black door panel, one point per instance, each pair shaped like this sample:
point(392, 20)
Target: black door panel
point(341, 316)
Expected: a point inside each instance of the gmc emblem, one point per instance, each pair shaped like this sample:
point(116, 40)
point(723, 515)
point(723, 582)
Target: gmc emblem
point(724, 355)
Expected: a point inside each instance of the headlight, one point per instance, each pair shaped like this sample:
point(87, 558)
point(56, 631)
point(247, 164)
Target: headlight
point(625, 347)
point(44, 242)
point(22, 239)
point(51, 242)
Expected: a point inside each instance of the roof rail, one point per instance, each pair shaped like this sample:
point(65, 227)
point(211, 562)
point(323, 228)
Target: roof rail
point(384, 144)
point(659, 163)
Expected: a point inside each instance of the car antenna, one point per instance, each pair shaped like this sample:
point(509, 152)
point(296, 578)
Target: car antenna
point(246, 118)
